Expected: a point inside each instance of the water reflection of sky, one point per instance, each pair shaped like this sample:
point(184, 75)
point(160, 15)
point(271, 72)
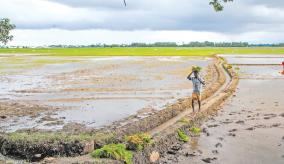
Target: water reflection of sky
point(260, 71)
point(257, 66)
point(254, 59)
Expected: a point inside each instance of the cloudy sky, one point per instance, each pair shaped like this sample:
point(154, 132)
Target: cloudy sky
point(44, 22)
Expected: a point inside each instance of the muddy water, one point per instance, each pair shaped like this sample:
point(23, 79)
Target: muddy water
point(95, 91)
point(248, 129)
point(255, 59)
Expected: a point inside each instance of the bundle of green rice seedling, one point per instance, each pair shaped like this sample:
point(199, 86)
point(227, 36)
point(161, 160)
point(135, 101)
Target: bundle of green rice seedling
point(196, 68)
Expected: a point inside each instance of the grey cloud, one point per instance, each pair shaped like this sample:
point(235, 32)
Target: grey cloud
point(240, 16)
point(107, 4)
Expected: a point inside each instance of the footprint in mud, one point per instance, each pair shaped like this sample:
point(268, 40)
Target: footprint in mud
point(220, 138)
point(260, 126)
point(212, 126)
point(275, 125)
point(250, 128)
point(215, 151)
point(209, 160)
point(233, 130)
point(269, 116)
point(232, 113)
point(227, 121)
point(240, 122)
point(232, 134)
point(174, 150)
point(218, 145)
point(190, 154)
point(204, 130)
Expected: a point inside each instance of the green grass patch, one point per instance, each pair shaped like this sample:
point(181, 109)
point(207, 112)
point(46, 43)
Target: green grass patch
point(138, 141)
point(182, 136)
point(195, 130)
point(114, 151)
point(148, 51)
point(41, 137)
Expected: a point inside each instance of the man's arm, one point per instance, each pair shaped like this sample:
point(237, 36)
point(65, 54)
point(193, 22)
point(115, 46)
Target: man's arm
point(189, 76)
point(201, 81)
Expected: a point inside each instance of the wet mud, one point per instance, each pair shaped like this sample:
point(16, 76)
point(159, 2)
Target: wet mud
point(92, 91)
point(34, 152)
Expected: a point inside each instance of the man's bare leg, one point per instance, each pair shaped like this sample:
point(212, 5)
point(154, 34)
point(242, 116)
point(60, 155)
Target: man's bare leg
point(199, 105)
point(192, 104)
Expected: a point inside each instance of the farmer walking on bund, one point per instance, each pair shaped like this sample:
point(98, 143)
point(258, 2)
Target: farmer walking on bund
point(196, 81)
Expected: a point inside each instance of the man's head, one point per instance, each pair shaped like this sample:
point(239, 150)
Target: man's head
point(195, 73)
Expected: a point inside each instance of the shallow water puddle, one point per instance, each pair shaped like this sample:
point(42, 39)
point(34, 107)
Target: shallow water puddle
point(254, 59)
point(257, 66)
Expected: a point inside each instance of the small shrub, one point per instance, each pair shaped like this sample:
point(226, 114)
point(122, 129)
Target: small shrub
point(195, 130)
point(182, 136)
point(114, 151)
point(138, 141)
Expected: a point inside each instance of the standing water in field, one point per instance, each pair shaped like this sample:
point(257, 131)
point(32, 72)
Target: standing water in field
point(94, 91)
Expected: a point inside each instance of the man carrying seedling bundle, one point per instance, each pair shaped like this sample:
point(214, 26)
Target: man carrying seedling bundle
point(196, 81)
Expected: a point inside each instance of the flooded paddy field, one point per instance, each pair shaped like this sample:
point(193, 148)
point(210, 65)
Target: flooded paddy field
point(48, 92)
point(249, 128)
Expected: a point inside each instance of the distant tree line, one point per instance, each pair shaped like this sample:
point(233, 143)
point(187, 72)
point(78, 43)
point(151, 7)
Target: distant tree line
point(174, 44)
point(160, 44)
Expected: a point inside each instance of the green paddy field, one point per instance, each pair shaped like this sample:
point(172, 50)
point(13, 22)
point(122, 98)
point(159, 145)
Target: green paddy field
point(153, 51)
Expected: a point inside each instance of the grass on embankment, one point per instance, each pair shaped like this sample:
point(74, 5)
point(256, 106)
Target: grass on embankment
point(40, 137)
point(153, 51)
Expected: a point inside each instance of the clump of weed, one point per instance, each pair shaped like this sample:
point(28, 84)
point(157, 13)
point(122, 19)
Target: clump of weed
point(222, 58)
point(195, 130)
point(114, 151)
point(229, 66)
point(182, 136)
point(184, 121)
point(138, 141)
